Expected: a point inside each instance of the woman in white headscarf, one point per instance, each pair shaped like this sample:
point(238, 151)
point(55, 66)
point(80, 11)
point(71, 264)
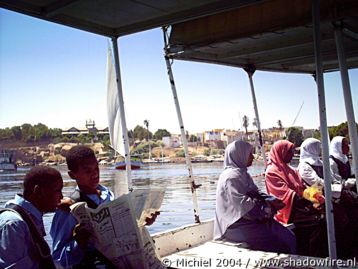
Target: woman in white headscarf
point(243, 213)
point(310, 166)
point(340, 167)
point(310, 169)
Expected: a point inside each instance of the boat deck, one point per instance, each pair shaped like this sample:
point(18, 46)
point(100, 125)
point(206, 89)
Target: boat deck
point(217, 254)
point(192, 246)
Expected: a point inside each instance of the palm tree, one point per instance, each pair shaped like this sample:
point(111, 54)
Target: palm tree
point(146, 123)
point(279, 123)
point(245, 123)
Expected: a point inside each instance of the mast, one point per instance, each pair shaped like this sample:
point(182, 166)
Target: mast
point(122, 114)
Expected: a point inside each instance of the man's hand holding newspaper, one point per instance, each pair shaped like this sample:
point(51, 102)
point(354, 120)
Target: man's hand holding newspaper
point(117, 228)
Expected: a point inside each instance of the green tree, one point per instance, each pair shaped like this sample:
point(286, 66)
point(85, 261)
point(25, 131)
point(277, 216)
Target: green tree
point(339, 130)
point(160, 133)
point(342, 129)
point(180, 153)
point(28, 132)
point(295, 136)
point(6, 134)
point(143, 148)
point(17, 133)
point(146, 124)
point(40, 131)
point(317, 134)
point(245, 122)
point(55, 133)
point(193, 138)
point(140, 133)
point(207, 152)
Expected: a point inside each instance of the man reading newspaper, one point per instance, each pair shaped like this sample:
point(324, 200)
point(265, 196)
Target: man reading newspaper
point(117, 228)
point(73, 245)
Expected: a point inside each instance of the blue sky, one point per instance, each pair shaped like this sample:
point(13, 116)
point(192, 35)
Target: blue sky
point(56, 75)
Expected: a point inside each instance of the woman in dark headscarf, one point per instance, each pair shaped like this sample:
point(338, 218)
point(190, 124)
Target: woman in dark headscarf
point(243, 213)
point(285, 183)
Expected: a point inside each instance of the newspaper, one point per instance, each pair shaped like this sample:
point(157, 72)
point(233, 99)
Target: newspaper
point(146, 203)
point(118, 228)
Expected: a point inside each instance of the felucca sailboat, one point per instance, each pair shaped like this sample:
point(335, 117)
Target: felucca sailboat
point(114, 119)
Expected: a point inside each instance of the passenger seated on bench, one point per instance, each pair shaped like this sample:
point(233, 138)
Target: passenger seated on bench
point(340, 166)
point(22, 243)
point(285, 183)
point(345, 201)
point(243, 213)
point(72, 242)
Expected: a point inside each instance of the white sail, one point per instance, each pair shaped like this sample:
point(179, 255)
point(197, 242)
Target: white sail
point(114, 121)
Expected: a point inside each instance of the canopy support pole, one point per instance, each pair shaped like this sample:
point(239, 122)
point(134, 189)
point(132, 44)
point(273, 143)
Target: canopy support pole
point(182, 131)
point(323, 128)
point(347, 97)
point(122, 114)
point(250, 72)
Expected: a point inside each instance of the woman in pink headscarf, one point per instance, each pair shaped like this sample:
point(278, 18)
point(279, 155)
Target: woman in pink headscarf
point(285, 183)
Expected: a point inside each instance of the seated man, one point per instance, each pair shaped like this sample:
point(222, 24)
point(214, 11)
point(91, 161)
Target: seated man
point(21, 224)
point(72, 245)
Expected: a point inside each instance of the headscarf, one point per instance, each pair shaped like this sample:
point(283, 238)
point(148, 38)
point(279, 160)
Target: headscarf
point(310, 151)
point(234, 183)
point(237, 154)
point(335, 149)
point(282, 181)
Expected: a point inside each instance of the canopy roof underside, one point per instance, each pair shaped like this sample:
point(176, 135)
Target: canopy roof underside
point(120, 17)
point(273, 35)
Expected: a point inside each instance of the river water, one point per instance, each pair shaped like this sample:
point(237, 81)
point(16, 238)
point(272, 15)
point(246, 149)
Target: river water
point(176, 209)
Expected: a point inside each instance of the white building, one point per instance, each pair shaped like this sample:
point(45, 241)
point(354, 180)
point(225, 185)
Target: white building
point(172, 141)
point(229, 136)
point(214, 135)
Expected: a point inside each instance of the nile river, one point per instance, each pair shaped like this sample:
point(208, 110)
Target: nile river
point(176, 209)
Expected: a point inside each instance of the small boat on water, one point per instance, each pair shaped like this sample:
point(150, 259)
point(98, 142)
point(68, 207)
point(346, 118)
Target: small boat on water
point(200, 159)
point(136, 163)
point(7, 161)
point(122, 165)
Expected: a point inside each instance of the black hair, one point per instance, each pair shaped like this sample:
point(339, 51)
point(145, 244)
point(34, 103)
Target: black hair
point(78, 155)
point(42, 176)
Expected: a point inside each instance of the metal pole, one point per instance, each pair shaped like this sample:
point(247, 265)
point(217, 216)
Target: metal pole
point(250, 72)
point(323, 128)
point(182, 131)
point(347, 98)
point(122, 114)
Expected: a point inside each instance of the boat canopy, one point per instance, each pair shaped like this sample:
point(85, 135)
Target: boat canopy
point(273, 35)
point(301, 36)
point(114, 18)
